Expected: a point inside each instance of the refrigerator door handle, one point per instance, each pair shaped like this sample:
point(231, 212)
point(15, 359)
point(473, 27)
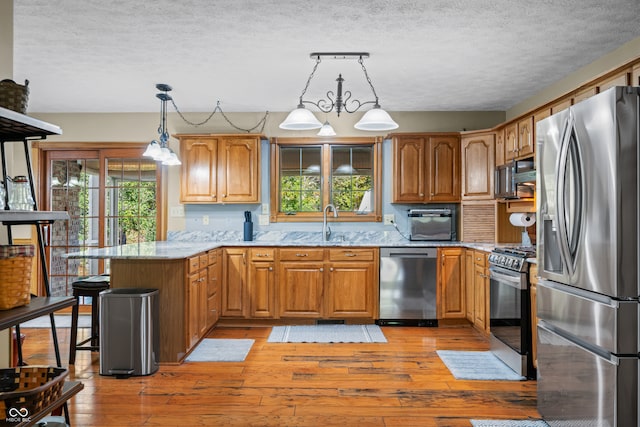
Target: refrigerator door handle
point(564, 243)
point(597, 352)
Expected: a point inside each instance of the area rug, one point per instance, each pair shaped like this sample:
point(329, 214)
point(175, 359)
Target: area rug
point(327, 334)
point(221, 350)
point(62, 321)
point(509, 423)
point(477, 365)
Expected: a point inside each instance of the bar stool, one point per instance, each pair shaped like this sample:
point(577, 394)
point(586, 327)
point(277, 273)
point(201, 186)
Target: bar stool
point(87, 287)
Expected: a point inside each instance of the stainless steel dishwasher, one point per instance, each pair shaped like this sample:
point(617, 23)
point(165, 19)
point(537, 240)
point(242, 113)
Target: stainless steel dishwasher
point(408, 286)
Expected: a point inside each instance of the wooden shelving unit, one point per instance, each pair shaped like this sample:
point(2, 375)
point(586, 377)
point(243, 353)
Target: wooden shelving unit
point(16, 128)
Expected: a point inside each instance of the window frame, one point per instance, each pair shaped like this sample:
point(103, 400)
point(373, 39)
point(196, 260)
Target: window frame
point(375, 215)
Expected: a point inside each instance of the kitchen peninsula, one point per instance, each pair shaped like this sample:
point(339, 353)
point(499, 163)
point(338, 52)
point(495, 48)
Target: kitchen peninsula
point(286, 279)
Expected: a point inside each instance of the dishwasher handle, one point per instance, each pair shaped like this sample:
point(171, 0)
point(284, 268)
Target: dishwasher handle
point(409, 252)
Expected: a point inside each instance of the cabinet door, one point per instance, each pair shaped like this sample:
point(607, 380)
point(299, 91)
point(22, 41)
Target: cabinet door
point(525, 137)
point(239, 170)
point(451, 297)
point(349, 290)
point(301, 285)
point(510, 142)
point(500, 147)
point(469, 288)
point(409, 169)
point(192, 311)
point(480, 296)
point(262, 289)
point(478, 167)
point(234, 293)
point(444, 169)
point(199, 170)
point(213, 287)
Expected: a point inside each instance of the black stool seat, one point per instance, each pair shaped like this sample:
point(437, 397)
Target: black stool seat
point(87, 287)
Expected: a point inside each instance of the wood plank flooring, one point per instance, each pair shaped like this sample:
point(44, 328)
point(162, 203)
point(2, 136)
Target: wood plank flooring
point(400, 383)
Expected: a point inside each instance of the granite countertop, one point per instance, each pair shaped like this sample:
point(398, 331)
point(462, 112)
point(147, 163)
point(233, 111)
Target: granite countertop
point(186, 244)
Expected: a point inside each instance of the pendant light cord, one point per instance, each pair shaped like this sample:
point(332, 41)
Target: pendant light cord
point(261, 123)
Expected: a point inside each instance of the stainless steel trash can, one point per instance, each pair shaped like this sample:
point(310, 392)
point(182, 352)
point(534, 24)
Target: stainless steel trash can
point(129, 334)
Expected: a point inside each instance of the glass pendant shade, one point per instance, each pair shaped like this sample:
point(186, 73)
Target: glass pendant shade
point(376, 119)
point(172, 160)
point(326, 130)
point(153, 150)
point(300, 119)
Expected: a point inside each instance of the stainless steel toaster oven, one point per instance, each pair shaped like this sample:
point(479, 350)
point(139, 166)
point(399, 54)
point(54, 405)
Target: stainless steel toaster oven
point(430, 224)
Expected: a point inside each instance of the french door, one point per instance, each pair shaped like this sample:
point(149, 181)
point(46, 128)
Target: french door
point(111, 195)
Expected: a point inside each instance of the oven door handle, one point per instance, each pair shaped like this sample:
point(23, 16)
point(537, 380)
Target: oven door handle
point(508, 279)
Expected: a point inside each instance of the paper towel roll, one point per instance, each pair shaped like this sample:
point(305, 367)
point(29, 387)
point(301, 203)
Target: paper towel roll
point(522, 219)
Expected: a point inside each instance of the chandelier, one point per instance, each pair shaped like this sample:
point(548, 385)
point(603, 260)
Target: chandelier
point(375, 119)
point(159, 149)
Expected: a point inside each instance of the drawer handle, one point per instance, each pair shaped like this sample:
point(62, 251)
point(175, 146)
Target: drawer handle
point(302, 255)
point(262, 255)
point(349, 254)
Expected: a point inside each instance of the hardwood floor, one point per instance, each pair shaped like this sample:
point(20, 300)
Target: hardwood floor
point(400, 383)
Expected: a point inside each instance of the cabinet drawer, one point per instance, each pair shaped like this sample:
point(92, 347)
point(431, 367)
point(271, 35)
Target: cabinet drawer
point(301, 254)
point(212, 257)
point(204, 260)
point(351, 255)
point(480, 258)
point(262, 254)
point(194, 264)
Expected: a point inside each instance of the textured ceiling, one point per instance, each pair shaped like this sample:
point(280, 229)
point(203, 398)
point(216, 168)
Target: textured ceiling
point(253, 55)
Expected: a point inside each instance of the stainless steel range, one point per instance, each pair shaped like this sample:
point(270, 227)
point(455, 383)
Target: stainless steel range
point(510, 308)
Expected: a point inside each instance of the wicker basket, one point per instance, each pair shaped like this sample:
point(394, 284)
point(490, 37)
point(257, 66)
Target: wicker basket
point(14, 96)
point(15, 275)
point(26, 390)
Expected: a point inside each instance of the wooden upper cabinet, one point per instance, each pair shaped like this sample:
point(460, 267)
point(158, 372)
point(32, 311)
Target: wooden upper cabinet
point(510, 142)
point(526, 142)
point(478, 166)
point(444, 169)
point(198, 180)
point(619, 79)
point(426, 168)
point(561, 104)
point(409, 168)
point(500, 147)
point(635, 75)
point(239, 169)
point(220, 168)
point(584, 93)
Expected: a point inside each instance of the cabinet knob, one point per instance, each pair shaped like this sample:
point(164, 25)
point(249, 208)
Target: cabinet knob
point(224, 195)
point(270, 268)
point(421, 194)
point(331, 269)
point(321, 269)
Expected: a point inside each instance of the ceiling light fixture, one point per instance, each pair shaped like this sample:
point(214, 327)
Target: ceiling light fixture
point(375, 119)
point(326, 130)
point(159, 150)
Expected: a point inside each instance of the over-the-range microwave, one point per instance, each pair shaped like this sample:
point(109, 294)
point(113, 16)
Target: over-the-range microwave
point(515, 180)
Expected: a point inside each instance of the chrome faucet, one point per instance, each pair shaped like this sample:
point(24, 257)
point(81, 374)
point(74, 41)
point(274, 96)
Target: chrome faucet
point(326, 230)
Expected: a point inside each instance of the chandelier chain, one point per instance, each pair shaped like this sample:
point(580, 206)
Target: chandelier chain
point(261, 123)
point(366, 75)
point(313, 72)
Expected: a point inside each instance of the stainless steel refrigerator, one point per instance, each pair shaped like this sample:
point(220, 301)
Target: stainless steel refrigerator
point(587, 236)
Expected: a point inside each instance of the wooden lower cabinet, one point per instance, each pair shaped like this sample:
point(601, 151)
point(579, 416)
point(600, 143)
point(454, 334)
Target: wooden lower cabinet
point(450, 291)
point(262, 283)
point(301, 288)
point(213, 287)
point(349, 290)
point(481, 291)
point(469, 286)
point(234, 289)
point(197, 309)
